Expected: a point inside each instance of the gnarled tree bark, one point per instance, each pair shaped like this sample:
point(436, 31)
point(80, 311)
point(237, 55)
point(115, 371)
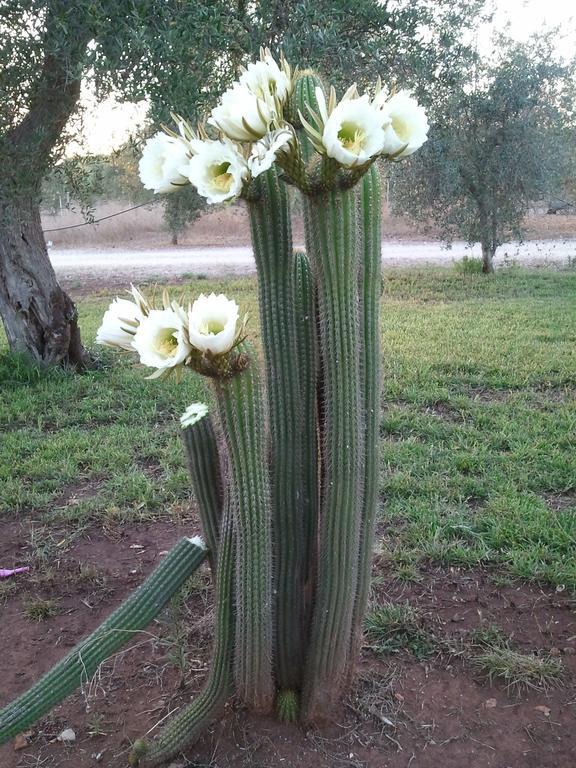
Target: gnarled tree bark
point(38, 316)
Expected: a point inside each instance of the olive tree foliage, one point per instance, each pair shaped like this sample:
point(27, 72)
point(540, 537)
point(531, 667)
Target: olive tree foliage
point(503, 139)
point(179, 55)
point(47, 47)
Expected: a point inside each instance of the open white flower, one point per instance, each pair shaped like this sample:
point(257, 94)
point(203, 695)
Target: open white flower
point(405, 124)
point(161, 158)
point(353, 132)
point(266, 80)
point(217, 170)
point(242, 115)
point(119, 324)
point(161, 339)
point(212, 322)
point(264, 152)
point(193, 414)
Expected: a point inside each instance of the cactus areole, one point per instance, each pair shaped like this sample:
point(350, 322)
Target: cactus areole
point(284, 466)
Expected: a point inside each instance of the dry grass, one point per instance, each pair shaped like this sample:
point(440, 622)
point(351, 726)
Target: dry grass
point(144, 227)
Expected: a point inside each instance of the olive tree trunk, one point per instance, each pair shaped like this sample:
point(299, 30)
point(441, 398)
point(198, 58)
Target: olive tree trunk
point(38, 316)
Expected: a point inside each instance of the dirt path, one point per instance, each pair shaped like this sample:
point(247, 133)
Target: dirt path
point(122, 264)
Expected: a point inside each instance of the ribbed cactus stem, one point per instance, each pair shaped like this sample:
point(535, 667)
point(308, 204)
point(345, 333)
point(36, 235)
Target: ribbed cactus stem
point(332, 245)
point(370, 205)
point(78, 666)
point(272, 241)
point(240, 408)
point(305, 316)
point(204, 468)
point(184, 729)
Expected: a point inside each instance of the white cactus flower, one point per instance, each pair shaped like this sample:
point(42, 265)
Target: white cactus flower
point(217, 170)
point(161, 339)
point(161, 158)
point(353, 132)
point(119, 324)
point(264, 152)
point(212, 322)
point(193, 414)
point(405, 124)
point(266, 80)
point(242, 115)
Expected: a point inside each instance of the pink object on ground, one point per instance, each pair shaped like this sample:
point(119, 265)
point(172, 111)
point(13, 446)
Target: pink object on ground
point(5, 572)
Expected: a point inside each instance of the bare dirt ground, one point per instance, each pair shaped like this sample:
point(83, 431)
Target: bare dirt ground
point(402, 712)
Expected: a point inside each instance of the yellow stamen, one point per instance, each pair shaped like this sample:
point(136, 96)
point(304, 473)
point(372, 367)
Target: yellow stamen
point(352, 138)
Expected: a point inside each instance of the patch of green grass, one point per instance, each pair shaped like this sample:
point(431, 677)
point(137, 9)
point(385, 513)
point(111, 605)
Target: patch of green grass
point(39, 609)
point(393, 627)
point(477, 431)
point(519, 671)
point(468, 265)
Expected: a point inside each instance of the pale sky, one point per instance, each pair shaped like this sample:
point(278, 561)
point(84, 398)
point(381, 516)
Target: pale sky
point(108, 125)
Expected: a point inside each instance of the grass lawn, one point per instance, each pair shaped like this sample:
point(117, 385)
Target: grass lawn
point(478, 430)
point(463, 662)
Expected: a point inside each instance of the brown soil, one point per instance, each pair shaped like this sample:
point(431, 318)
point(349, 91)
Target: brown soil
point(402, 713)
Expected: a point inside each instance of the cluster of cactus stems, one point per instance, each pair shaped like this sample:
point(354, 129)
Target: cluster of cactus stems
point(286, 480)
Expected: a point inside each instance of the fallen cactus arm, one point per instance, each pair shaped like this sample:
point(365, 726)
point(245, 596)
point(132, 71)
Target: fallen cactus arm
point(185, 728)
point(77, 667)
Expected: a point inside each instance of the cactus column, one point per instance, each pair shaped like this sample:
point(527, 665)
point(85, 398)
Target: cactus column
point(370, 210)
point(240, 407)
point(293, 500)
point(332, 244)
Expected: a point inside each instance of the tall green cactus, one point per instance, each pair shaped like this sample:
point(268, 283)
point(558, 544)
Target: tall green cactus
point(78, 666)
point(333, 244)
point(293, 549)
point(204, 468)
point(305, 318)
point(272, 240)
point(184, 729)
point(240, 408)
point(370, 206)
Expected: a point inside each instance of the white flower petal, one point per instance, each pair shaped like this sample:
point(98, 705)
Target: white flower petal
point(119, 324)
point(242, 115)
point(406, 124)
point(264, 152)
point(161, 339)
point(212, 322)
point(217, 171)
point(161, 158)
point(353, 133)
point(265, 80)
point(193, 414)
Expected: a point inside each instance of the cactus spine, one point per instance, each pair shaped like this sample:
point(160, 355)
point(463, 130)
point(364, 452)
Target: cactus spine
point(78, 666)
point(332, 245)
point(370, 202)
point(240, 408)
point(204, 468)
point(183, 730)
point(292, 513)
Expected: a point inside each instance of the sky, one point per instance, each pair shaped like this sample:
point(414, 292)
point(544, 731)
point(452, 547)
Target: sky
point(109, 124)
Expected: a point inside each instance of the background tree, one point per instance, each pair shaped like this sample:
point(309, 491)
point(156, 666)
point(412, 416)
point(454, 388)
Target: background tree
point(182, 209)
point(501, 141)
point(180, 56)
point(46, 48)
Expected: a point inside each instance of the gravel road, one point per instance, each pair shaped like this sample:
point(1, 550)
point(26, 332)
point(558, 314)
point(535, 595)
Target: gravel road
point(119, 265)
